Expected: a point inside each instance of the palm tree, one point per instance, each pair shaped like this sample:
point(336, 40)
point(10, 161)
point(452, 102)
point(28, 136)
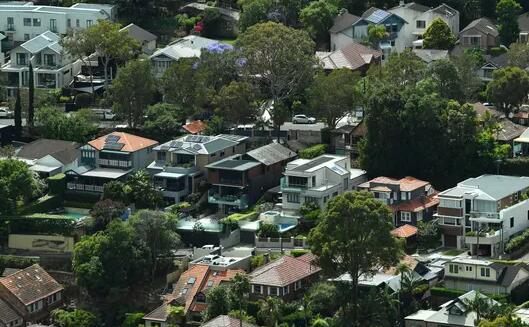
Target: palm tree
point(481, 305)
point(270, 311)
point(240, 286)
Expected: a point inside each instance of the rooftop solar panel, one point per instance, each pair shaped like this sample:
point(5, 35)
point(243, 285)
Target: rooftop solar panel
point(378, 16)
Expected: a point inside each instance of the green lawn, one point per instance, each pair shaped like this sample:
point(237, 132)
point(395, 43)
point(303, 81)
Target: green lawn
point(228, 41)
point(453, 252)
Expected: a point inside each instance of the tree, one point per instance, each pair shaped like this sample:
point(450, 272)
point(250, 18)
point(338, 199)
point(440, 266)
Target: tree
point(80, 46)
point(322, 299)
point(445, 75)
point(376, 33)
point(110, 43)
point(508, 88)
point(54, 123)
point(428, 235)
point(467, 65)
point(237, 102)
point(519, 55)
point(317, 18)
point(133, 319)
point(142, 192)
point(105, 211)
point(502, 321)
point(240, 288)
point(115, 191)
point(481, 305)
point(31, 97)
point(218, 301)
point(332, 96)
point(438, 36)
point(281, 57)
point(269, 311)
point(157, 230)
point(163, 120)
point(507, 11)
point(216, 125)
point(18, 113)
point(75, 318)
point(268, 230)
point(132, 90)
point(254, 12)
point(354, 223)
point(17, 183)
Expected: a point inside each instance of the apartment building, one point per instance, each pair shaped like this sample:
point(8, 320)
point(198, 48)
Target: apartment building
point(419, 17)
point(485, 276)
point(317, 180)
point(110, 157)
point(411, 199)
point(52, 68)
point(22, 21)
point(482, 213)
point(179, 166)
point(238, 181)
point(28, 295)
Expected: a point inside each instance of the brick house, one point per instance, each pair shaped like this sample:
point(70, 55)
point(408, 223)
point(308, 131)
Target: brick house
point(284, 277)
point(28, 295)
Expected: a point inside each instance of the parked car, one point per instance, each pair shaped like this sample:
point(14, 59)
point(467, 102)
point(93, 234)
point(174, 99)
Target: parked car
point(303, 119)
point(6, 113)
point(104, 114)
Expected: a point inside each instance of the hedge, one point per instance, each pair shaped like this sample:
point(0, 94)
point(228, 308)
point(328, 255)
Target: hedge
point(57, 184)
point(42, 224)
point(298, 252)
point(239, 216)
point(46, 203)
point(517, 242)
point(10, 261)
point(77, 196)
point(447, 292)
point(313, 151)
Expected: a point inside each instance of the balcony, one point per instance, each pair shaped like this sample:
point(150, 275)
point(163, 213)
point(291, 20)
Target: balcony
point(84, 187)
point(491, 237)
point(484, 216)
point(115, 163)
point(285, 186)
point(240, 201)
point(10, 27)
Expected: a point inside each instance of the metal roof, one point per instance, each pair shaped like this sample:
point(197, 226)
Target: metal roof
point(271, 153)
point(45, 40)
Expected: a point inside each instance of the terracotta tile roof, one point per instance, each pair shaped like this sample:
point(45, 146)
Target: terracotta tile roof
point(214, 279)
point(417, 204)
point(195, 127)
point(404, 231)
point(131, 143)
point(283, 271)
point(226, 321)
point(31, 284)
point(381, 189)
point(409, 183)
point(384, 180)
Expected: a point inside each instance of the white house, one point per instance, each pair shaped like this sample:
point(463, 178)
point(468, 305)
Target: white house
point(21, 21)
point(52, 68)
point(419, 17)
point(318, 180)
point(146, 39)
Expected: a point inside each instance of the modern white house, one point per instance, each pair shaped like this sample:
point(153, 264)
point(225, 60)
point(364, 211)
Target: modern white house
point(482, 213)
point(318, 180)
point(419, 17)
point(189, 46)
point(21, 21)
point(52, 68)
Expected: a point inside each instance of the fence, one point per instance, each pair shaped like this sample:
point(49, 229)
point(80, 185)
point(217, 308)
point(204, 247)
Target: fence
point(284, 243)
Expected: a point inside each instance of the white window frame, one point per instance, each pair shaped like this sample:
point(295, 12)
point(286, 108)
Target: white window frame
point(276, 290)
point(405, 216)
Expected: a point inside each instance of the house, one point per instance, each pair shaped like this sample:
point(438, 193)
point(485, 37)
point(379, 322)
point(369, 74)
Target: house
point(411, 200)
point(484, 211)
point(189, 46)
point(190, 292)
point(523, 25)
point(452, 313)
point(28, 295)
point(317, 180)
point(379, 280)
point(22, 21)
point(52, 68)
point(484, 112)
point(431, 55)
point(284, 277)
point(145, 39)
point(492, 63)
point(345, 139)
point(49, 157)
point(110, 157)
point(480, 33)
point(408, 233)
point(354, 56)
point(226, 321)
point(228, 24)
point(238, 181)
point(194, 127)
point(521, 144)
point(180, 165)
point(348, 29)
point(419, 18)
point(508, 131)
point(484, 276)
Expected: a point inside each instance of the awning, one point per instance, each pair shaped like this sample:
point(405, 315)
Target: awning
point(165, 174)
point(106, 173)
point(43, 169)
point(88, 89)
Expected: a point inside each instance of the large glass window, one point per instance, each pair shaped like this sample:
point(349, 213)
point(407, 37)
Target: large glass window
point(296, 181)
point(36, 21)
point(27, 22)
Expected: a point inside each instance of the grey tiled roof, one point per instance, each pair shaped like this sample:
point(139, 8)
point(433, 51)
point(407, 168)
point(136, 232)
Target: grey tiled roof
point(271, 153)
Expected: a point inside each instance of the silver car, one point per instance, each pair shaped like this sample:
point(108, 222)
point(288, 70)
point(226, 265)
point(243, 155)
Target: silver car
point(303, 119)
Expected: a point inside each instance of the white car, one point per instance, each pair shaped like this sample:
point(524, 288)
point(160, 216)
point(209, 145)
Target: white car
point(6, 113)
point(303, 119)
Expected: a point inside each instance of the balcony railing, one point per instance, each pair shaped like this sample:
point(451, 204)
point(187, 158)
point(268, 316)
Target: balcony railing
point(285, 186)
point(492, 237)
point(115, 163)
point(84, 187)
point(487, 215)
point(240, 201)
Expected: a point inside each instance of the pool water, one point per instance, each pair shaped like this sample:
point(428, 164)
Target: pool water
point(284, 227)
point(75, 213)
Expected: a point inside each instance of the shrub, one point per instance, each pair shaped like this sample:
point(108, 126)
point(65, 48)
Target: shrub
point(313, 151)
point(9, 261)
point(268, 230)
point(298, 252)
point(446, 292)
point(42, 224)
point(310, 210)
point(496, 51)
point(46, 203)
point(86, 197)
point(57, 184)
point(517, 242)
point(65, 99)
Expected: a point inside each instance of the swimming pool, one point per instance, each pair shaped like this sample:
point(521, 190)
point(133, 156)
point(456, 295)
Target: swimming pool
point(76, 213)
point(285, 227)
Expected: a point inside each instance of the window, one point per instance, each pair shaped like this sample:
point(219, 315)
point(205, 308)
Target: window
point(77, 23)
point(325, 199)
point(446, 203)
point(68, 23)
point(346, 183)
point(36, 21)
point(421, 24)
point(184, 291)
point(27, 22)
point(527, 214)
point(419, 215)
point(392, 43)
point(257, 289)
point(210, 283)
point(191, 280)
point(313, 181)
point(394, 28)
point(468, 268)
point(53, 25)
point(403, 196)
point(335, 194)
point(293, 197)
point(161, 155)
point(297, 285)
point(89, 23)
point(285, 290)
point(221, 154)
point(454, 269)
point(49, 60)
point(273, 291)
point(26, 37)
point(512, 222)
point(315, 200)
point(485, 272)
point(405, 216)
point(21, 59)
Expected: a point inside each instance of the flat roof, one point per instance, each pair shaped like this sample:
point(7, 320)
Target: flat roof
point(106, 173)
point(234, 163)
point(165, 174)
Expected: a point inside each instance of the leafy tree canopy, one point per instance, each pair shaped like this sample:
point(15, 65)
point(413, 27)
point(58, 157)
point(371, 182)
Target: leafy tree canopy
point(438, 36)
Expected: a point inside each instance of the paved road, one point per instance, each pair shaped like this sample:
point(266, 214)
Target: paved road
point(302, 127)
point(102, 124)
